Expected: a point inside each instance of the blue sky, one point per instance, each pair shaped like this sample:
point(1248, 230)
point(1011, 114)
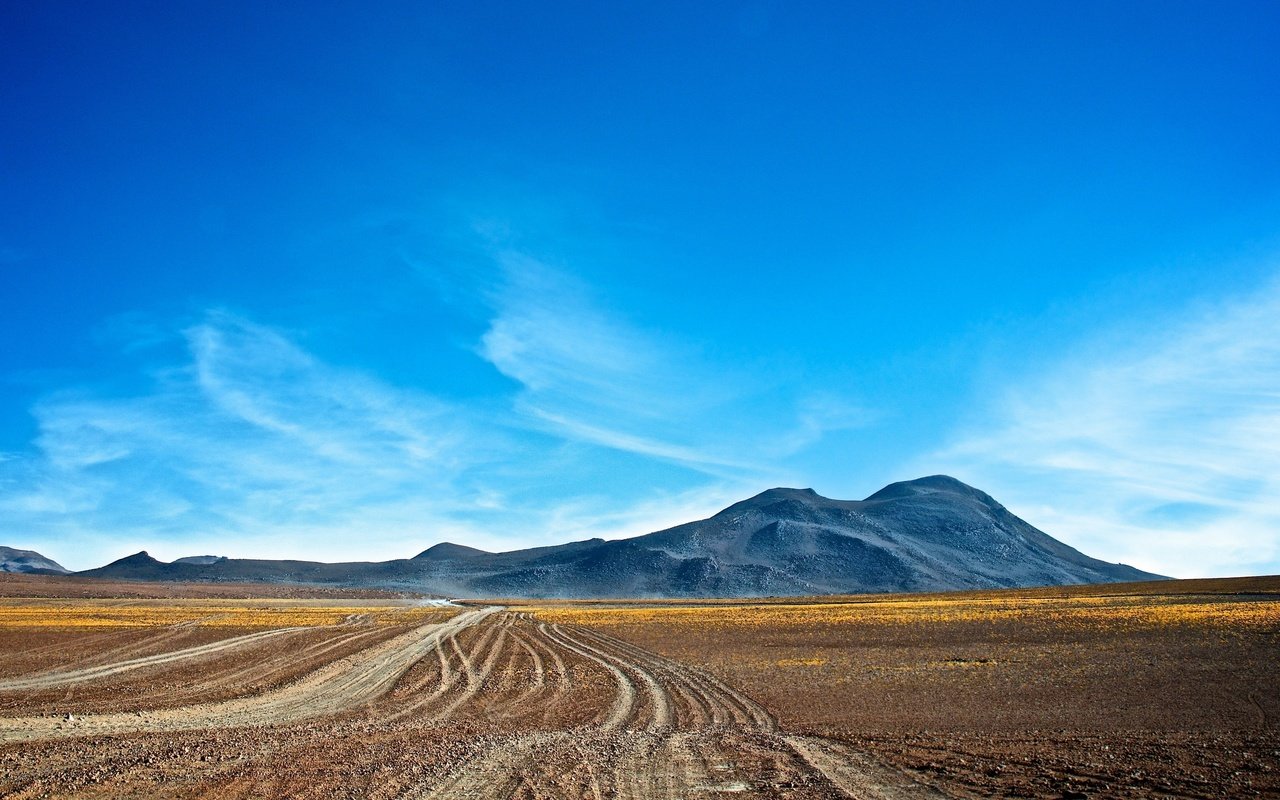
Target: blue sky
point(315, 280)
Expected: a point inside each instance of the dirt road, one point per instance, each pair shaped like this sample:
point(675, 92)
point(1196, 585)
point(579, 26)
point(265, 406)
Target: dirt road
point(545, 711)
point(670, 731)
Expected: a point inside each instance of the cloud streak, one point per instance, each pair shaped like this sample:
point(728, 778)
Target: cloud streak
point(252, 442)
point(591, 376)
point(1160, 448)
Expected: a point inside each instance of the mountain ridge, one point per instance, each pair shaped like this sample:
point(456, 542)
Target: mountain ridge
point(929, 534)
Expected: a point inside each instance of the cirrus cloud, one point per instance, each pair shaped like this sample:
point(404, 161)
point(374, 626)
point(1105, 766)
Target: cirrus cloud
point(1157, 446)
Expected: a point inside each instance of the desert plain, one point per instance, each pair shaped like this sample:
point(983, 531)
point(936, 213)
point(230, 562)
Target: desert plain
point(115, 689)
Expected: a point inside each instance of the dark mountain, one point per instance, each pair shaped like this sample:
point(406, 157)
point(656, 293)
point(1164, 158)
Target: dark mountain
point(930, 534)
point(12, 560)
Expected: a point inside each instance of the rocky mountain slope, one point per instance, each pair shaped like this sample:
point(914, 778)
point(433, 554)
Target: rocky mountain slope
point(930, 534)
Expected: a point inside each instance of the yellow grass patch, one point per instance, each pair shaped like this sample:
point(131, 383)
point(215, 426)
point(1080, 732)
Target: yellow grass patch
point(206, 613)
point(1125, 612)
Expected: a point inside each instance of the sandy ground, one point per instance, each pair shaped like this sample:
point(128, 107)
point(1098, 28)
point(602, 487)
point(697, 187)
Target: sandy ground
point(961, 696)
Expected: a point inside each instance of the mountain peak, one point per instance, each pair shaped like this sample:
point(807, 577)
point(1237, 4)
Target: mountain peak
point(449, 550)
point(776, 495)
point(140, 557)
point(926, 485)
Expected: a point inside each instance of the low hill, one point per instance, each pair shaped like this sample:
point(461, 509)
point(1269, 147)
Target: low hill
point(13, 560)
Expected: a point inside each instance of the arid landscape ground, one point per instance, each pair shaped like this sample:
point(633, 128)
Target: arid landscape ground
point(145, 690)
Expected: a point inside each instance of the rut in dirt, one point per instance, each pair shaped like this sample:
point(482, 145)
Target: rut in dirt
point(667, 730)
point(331, 689)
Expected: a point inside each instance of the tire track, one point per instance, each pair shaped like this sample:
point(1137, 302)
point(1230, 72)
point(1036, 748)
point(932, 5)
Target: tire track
point(491, 648)
point(671, 731)
point(651, 759)
point(447, 652)
point(658, 697)
point(428, 708)
point(52, 679)
point(722, 703)
point(533, 695)
point(549, 685)
point(491, 777)
point(121, 652)
point(311, 651)
point(560, 669)
point(348, 682)
point(46, 680)
point(701, 707)
point(516, 764)
point(856, 774)
point(625, 700)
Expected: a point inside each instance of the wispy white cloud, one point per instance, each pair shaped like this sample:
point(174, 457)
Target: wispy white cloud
point(1157, 446)
point(256, 376)
point(699, 459)
point(251, 446)
point(591, 375)
point(251, 443)
point(823, 413)
point(551, 335)
point(584, 373)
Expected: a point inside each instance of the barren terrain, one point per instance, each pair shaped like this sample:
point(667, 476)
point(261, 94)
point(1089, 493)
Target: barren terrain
point(1157, 689)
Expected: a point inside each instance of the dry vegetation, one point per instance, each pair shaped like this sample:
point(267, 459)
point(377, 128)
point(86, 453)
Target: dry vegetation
point(1115, 613)
point(84, 614)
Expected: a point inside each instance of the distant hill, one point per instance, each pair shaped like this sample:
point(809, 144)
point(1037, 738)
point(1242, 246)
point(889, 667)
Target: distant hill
point(930, 534)
point(12, 560)
point(201, 560)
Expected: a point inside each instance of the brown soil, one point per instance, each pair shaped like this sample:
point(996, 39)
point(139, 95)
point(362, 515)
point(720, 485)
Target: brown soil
point(493, 703)
point(231, 663)
point(1040, 702)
